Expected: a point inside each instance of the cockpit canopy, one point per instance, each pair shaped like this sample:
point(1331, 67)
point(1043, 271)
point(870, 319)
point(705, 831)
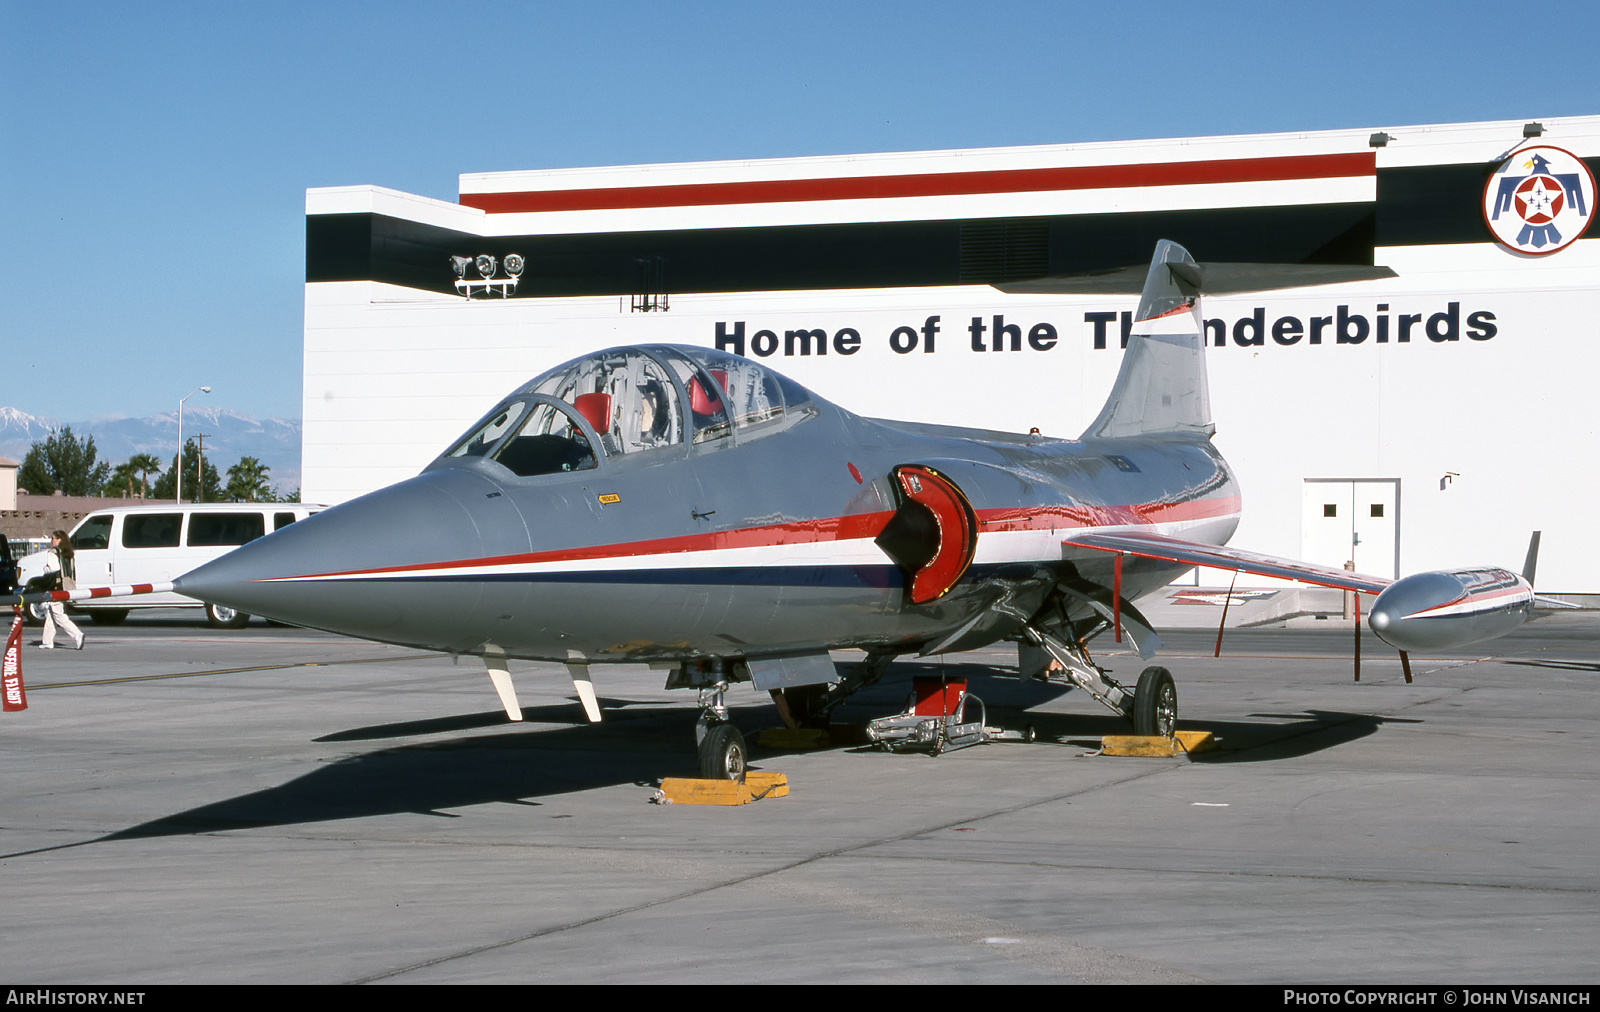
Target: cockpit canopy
point(632, 401)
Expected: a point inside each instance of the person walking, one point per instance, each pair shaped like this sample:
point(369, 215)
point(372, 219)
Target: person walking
point(60, 562)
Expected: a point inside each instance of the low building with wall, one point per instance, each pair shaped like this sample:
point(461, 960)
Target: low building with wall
point(35, 516)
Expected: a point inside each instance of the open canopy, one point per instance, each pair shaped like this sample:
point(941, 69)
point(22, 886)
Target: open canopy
point(626, 401)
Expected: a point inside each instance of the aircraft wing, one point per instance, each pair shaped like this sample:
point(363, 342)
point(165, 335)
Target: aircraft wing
point(1158, 546)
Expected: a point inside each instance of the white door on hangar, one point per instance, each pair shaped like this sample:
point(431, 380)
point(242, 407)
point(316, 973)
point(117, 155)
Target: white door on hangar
point(1345, 519)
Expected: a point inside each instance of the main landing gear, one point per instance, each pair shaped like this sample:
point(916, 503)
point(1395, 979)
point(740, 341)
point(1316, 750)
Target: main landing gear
point(1152, 707)
point(1155, 703)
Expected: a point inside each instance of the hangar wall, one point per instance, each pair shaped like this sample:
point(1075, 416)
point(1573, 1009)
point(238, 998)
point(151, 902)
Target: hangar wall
point(1464, 383)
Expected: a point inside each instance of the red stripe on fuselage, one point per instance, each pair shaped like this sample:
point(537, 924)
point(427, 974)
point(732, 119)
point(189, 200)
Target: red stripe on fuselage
point(1492, 598)
point(1174, 311)
point(855, 527)
point(931, 184)
point(1085, 515)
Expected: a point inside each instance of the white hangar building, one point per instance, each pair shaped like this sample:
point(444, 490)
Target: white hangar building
point(1430, 420)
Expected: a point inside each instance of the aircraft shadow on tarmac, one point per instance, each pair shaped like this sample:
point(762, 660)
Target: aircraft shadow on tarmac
point(1558, 665)
point(1269, 737)
point(517, 765)
point(638, 743)
point(1290, 736)
point(559, 713)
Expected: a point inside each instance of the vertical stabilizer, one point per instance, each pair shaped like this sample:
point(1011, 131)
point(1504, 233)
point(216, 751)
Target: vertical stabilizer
point(1161, 387)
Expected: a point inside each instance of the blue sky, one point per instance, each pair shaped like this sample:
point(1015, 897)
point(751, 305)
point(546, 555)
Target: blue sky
point(154, 157)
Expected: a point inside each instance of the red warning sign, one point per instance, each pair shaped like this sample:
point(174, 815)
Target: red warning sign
point(15, 697)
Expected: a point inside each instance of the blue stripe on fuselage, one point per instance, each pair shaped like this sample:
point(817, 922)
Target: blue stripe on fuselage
point(738, 576)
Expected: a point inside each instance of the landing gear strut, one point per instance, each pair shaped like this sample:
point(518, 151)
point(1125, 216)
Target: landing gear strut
point(809, 705)
point(721, 746)
point(1152, 707)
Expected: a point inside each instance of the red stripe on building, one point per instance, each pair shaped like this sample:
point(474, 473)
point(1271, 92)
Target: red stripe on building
point(932, 184)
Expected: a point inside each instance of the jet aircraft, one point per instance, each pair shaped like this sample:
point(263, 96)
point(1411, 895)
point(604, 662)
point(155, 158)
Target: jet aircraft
point(697, 511)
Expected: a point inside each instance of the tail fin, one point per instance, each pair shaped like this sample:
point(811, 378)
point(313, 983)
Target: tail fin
point(1162, 385)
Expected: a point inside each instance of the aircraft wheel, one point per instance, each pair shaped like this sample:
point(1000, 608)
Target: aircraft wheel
point(722, 753)
point(108, 616)
point(223, 617)
point(1155, 703)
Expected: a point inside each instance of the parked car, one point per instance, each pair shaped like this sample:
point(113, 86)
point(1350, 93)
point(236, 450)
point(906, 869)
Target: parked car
point(8, 568)
point(157, 544)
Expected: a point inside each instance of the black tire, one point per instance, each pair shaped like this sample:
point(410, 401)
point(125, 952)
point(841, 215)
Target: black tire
point(222, 617)
point(108, 616)
point(722, 753)
point(1155, 704)
point(33, 614)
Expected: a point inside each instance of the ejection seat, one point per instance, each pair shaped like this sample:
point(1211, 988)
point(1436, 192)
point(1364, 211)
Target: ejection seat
point(596, 410)
point(935, 720)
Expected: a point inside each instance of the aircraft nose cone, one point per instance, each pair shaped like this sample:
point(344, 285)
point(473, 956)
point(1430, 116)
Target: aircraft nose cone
point(369, 567)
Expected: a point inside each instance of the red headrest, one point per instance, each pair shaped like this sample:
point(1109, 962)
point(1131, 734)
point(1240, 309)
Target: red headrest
point(934, 699)
point(702, 401)
point(595, 409)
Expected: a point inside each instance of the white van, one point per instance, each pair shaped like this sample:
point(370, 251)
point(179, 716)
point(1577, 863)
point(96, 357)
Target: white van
point(157, 544)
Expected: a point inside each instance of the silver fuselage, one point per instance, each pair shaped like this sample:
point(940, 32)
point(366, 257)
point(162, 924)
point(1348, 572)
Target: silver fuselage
point(732, 549)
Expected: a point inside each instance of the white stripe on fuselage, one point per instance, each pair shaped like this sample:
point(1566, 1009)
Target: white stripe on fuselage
point(1476, 605)
point(993, 548)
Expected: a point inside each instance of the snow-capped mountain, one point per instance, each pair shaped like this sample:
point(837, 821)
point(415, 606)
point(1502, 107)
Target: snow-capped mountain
point(229, 435)
point(20, 429)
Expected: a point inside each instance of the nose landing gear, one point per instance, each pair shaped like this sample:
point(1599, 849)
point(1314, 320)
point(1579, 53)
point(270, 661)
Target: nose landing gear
point(722, 753)
point(721, 746)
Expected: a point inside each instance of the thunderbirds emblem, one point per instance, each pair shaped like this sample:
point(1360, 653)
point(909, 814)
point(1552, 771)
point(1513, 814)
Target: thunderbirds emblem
point(1539, 200)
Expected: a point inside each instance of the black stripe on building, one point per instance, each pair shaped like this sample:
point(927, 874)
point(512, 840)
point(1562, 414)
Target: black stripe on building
point(1415, 206)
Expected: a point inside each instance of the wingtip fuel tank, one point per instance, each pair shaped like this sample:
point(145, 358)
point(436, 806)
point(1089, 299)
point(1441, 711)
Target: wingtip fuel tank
point(1437, 610)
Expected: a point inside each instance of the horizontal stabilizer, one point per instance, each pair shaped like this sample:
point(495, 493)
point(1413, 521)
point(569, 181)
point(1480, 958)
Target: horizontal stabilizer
point(1206, 278)
point(1554, 604)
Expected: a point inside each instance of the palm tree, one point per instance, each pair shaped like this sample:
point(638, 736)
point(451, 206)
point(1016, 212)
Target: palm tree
point(144, 464)
point(247, 480)
point(121, 480)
